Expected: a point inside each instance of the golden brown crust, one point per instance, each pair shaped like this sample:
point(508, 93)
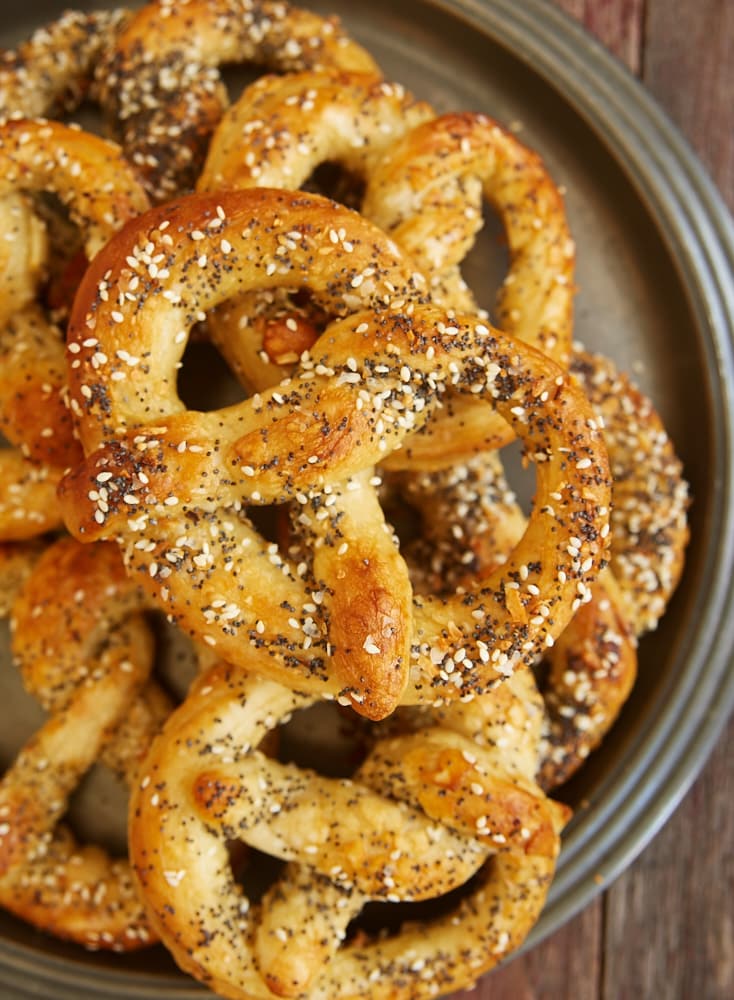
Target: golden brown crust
point(16, 562)
point(427, 192)
point(282, 128)
point(28, 504)
point(372, 378)
point(89, 678)
point(40, 156)
point(345, 841)
point(277, 134)
point(161, 81)
point(52, 70)
point(33, 412)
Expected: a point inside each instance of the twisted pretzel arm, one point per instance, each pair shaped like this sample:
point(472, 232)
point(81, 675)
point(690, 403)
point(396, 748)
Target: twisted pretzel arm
point(28, 506)
point(75, 892)
point(426, 193)
point(161, 81)
point(53, 69)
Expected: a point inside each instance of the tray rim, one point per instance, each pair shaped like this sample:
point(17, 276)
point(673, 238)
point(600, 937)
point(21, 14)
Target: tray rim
point(698, 233)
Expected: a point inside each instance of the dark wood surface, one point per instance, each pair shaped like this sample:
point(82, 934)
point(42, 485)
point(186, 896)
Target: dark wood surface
point(665, 929)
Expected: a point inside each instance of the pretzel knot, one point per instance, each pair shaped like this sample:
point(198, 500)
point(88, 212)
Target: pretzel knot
point(418, 818)
point(85, 653)
point(172, 484)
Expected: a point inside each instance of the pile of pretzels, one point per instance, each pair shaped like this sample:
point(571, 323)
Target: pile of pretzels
point(338, 539)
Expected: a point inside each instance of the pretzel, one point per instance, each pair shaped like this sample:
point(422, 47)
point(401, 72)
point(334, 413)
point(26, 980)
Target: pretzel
point(388, 833)
point(277, 134)
point(162, 85)
point(593, 665)
point(52, 70)
point(426, 193)
point(46, 156)
point(314, 432)
point(85, 653)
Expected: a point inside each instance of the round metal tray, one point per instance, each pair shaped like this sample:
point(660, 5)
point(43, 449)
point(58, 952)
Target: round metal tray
point(656, 279)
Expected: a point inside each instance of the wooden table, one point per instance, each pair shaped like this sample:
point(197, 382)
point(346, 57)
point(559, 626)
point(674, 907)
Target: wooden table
point(665, 929)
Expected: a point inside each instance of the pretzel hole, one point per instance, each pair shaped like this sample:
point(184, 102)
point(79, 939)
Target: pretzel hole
point(327, 738)
point(237, 77)
point(65, 262)
point(520, 473)
point(384, 919)
point(334, 181)
point(205, 380)
point(253, 869)
point(22, 715)
point(486, 265)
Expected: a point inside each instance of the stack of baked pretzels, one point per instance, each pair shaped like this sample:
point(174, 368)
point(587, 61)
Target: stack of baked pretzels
point(341, 540)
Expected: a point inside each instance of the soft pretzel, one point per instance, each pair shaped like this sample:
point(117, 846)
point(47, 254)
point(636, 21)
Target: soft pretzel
point(426, 192)
point(35, 156)
point(369, 381)
point(389, 833)
point(162, 84)
point(472, 521)
point(277, 134)
point(293, 234)
point(53, 69)
point(86, 655)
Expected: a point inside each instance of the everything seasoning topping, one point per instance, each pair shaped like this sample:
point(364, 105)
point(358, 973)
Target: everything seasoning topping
point(343, 540)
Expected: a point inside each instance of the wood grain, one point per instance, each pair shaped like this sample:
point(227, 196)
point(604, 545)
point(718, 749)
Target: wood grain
point(669, 927)
point(666, 927)
point(618, 24)
point(689, 67)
